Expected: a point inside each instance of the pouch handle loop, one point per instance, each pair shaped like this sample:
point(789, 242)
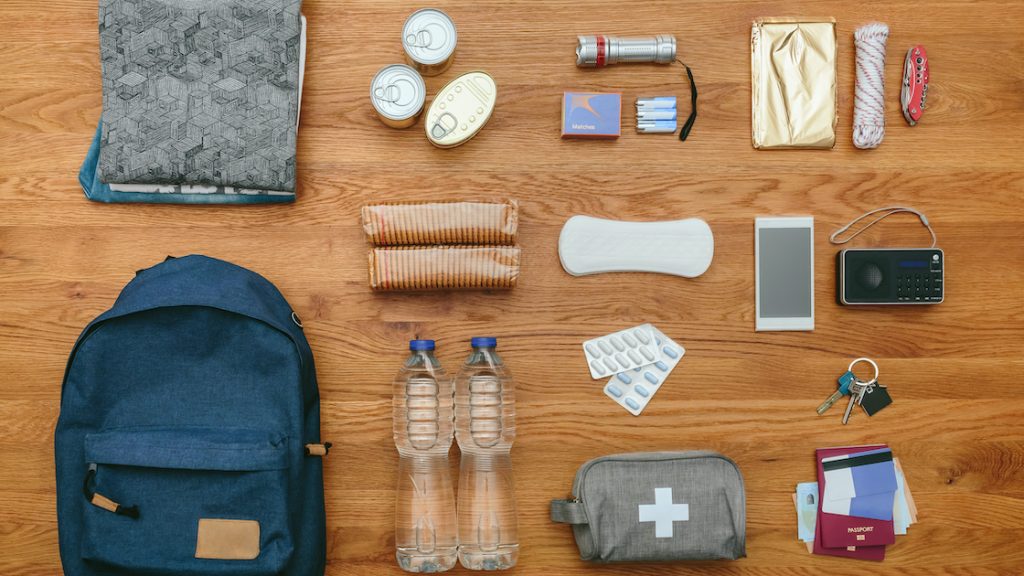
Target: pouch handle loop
point(568, 512)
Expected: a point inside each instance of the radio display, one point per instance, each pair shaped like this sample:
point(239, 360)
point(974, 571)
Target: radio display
point(913, 264)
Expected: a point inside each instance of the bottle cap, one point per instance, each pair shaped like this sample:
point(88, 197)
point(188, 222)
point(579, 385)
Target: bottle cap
point(421, 345)
point(484, 342)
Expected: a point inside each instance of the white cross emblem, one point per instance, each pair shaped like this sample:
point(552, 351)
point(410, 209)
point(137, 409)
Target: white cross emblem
point(663, 512)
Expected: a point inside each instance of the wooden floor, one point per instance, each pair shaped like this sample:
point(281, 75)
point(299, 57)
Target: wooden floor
point(954, 370)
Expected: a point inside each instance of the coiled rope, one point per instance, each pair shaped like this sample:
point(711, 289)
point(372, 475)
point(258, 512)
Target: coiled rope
point(869, 95)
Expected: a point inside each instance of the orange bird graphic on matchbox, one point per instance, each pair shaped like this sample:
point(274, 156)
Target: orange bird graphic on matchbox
point(582, 101)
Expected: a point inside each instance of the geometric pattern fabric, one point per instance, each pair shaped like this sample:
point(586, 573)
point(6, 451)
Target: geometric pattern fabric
point(200, 92)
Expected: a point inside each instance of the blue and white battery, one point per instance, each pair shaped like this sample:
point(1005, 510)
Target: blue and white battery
point(656, 115)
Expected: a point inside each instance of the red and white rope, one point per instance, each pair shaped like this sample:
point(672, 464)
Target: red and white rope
point(869, 95)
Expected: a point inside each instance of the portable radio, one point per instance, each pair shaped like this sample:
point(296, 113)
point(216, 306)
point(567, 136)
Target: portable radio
point(889, 276)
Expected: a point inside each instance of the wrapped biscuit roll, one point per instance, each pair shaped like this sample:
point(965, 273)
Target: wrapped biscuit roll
point(444, 267)
point(447, 223)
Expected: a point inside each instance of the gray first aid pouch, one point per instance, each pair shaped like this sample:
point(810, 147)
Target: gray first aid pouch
point(657, 507)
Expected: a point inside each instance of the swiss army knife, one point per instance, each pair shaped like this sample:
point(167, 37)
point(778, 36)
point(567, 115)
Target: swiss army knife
point(915, 84)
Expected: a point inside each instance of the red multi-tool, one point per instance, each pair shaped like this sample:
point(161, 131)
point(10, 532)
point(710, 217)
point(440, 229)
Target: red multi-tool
point(915, 84)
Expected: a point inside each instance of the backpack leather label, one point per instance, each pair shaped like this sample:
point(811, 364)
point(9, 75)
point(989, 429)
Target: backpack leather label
point(220, 539)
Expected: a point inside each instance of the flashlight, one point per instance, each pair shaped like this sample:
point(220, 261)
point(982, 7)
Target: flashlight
point(601, 50)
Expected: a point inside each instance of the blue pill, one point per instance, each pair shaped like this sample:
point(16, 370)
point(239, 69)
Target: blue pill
point(632, 404)
point(650, 378)
point(639, 389)
point(661, 366)
point(670, 352)
point(614, 391)
point(624, 378)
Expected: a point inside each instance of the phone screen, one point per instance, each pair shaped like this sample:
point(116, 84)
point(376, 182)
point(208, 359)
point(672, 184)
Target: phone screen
point(785, 272)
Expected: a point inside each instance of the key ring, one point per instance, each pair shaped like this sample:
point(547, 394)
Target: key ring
point(873, 365)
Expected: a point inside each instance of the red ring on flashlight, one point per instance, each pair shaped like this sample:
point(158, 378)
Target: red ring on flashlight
point(600, 50)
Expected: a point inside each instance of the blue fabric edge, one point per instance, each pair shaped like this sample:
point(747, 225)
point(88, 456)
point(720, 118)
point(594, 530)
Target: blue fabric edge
point(100, 192)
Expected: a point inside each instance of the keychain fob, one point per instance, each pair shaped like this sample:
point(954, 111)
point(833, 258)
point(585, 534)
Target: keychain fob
point(875, 398)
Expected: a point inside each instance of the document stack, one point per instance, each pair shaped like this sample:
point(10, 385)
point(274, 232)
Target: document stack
point(859, 504)
point(200, 102)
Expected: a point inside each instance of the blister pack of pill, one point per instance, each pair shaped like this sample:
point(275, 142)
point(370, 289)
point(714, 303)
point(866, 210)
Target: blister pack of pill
point(620, 351)
point(633, 389)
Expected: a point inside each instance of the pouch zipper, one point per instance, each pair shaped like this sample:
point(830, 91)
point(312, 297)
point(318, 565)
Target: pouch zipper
point(579, 481)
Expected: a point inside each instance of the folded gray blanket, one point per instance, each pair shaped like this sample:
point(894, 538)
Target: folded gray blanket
point(200, 92)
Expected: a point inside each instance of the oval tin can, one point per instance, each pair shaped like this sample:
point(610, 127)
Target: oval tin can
point(429, 39)
point(460, 109)
point(398, 94)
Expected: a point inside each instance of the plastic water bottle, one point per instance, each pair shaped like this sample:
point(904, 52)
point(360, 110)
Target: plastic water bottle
point(426, 536)
point(485, 428)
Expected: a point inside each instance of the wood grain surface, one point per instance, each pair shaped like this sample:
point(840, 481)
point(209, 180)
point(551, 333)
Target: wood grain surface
point(954, 370)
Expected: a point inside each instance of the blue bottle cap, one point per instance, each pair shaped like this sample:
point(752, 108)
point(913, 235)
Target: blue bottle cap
point(421, 345)
point(484, 342)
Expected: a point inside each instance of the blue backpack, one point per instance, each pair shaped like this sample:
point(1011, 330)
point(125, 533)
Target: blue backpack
point(188, 441)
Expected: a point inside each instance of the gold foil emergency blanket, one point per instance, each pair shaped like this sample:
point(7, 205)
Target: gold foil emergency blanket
point(484, 223)
point(793, 83)
point(444, 267)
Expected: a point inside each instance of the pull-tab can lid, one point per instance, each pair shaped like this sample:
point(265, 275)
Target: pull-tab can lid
point(460, 109)
point(429, 36)
point(398, 92)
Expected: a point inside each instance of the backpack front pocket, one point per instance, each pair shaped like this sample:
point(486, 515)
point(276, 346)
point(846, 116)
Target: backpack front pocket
point(187, 501)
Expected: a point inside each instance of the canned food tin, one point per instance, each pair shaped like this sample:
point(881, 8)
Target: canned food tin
point(398, 94)
point(429, 39)
point(460, 109)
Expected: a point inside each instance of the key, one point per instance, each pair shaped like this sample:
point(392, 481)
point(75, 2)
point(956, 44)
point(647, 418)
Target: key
point(844, 389)
point(876, 398)
point(857, 390)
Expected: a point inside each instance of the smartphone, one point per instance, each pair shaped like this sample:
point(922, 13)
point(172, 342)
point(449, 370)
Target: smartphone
point(784, 273)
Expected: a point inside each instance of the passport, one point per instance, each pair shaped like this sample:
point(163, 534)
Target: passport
point(849, 536)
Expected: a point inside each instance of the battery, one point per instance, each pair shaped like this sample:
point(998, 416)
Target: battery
point(656, 126)
point(429, 38)
point(398, 94)
point(655, 114)
point(656, 102)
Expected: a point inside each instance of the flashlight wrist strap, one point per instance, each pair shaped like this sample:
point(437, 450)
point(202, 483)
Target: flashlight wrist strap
point(684, 132)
